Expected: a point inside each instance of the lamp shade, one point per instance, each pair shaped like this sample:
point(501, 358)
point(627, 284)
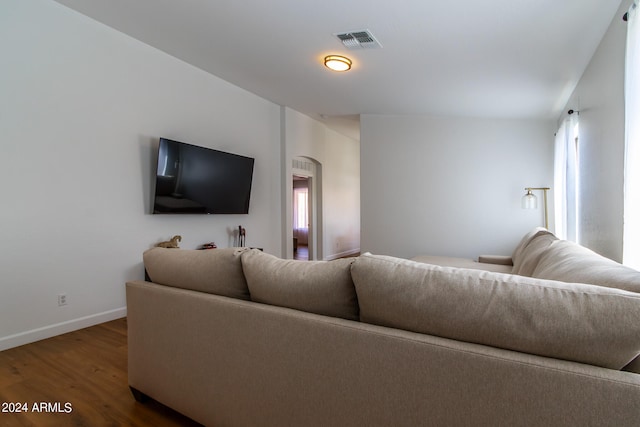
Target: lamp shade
point(529, 200)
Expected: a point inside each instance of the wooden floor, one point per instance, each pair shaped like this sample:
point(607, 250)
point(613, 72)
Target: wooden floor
point(301, 253)
point(76, 379)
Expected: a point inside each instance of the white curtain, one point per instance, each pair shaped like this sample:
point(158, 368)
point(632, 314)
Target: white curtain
point(631, 237)
point(566, 182)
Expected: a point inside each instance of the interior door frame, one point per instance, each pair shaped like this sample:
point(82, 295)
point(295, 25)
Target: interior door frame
point(312, 170)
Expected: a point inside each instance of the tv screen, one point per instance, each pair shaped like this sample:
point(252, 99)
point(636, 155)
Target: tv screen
point(199, 180)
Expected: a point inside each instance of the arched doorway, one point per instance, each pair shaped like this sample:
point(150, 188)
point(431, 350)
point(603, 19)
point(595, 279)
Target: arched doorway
point(306, 208)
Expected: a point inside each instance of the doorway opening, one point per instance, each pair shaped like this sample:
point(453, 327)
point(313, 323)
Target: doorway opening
point(304, 224)
point(301, 217)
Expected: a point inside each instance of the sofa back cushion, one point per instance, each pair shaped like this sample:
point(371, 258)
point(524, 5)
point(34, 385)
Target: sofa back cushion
point(321, 287)
point(569, 262)
point(527, 258)
point(526, 239)
point(582, 323)
point(215, 271)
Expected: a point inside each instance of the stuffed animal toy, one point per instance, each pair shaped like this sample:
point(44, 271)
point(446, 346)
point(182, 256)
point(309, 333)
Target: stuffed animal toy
point(173, 243)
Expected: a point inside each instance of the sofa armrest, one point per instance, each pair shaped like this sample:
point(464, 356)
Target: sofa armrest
point(496, 259)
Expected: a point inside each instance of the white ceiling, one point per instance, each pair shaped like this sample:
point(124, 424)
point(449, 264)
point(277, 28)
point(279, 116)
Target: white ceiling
point(489, 58)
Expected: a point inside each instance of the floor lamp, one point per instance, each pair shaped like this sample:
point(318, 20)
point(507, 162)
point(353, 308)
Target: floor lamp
point(530, 201)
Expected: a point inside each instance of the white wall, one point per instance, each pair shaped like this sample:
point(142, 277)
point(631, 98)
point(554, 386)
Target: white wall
point(599, 97)
point(341, 184)
point(339, 156)
point(450, 186)
point(81, 109)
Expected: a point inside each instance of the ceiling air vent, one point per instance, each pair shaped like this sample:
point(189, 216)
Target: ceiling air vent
point(361, 39)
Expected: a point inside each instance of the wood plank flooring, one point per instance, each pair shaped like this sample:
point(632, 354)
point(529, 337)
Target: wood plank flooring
point(302, 253)
point(76, 379)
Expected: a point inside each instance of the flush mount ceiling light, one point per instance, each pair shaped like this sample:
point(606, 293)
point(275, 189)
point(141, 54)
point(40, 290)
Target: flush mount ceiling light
point(337, 63)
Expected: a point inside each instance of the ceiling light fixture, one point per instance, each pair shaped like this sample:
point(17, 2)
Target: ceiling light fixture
point(337, 63)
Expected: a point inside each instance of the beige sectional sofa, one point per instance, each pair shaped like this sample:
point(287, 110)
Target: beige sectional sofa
point(234, 337)
point(540, 254)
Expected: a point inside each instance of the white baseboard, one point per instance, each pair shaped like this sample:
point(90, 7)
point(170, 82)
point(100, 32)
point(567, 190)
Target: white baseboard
point(60, 328)
point(348, 253)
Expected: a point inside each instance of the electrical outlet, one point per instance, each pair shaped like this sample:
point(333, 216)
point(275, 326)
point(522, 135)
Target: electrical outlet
point(62, 299)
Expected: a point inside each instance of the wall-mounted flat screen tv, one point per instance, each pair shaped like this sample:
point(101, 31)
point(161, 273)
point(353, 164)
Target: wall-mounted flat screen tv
point(198, 180)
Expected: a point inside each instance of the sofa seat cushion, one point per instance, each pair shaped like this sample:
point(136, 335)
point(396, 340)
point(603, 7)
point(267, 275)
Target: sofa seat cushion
point(577, 322)
point(321, 287)
point(215, 271)
point(569, 262)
